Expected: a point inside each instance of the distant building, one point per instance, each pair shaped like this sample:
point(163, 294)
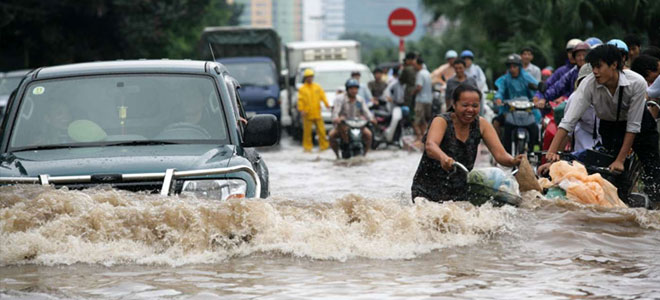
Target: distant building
point(333, 18)
point(285, 16)
point(312, 20)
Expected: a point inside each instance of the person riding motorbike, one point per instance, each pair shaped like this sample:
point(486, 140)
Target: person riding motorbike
point(445, 71)
point(455, 137)
point(348, 106)
point(363, 91)
point(516, 83)
point(559, 72)
point(565, 85)
point(473, 70)
point(618, 97)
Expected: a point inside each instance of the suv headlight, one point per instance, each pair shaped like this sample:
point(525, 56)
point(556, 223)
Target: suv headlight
point(222, 189)
point(271, 102)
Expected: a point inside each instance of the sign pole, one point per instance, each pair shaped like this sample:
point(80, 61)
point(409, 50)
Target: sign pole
point(402, 49)
point(401, 23)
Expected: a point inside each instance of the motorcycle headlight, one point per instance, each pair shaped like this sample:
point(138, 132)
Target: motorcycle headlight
point(271, 102)
point(217, 189)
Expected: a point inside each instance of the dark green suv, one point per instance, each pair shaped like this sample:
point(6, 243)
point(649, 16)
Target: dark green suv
point(167, 126)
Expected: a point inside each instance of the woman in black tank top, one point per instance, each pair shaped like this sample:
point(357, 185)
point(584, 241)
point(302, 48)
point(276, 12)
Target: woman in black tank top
point(455, 136)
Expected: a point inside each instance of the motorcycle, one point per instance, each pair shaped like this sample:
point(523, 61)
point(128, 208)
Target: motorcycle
point(517, 118)
point(597, 162)
point(389, 128)
point(354, 146)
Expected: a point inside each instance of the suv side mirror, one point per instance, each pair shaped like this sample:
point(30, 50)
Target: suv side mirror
point(261, 130)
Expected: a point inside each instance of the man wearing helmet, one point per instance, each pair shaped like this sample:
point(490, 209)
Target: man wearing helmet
point(557, 74)
point(515, 84)
point(618, 98)
point(566, 84)
point(349, 106)
point(446, 70)
point(473, 70)
point(310, 96)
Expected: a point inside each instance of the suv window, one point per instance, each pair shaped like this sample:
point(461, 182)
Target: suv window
point(120, 108)
point(239, 112)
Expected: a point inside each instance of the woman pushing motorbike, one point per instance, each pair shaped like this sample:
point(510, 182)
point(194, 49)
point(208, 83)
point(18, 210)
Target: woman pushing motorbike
point(455, 137)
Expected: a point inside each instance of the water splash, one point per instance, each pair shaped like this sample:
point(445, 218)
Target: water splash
point(50, 226)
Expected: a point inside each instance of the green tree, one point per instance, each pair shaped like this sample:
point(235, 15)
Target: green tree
point(39, 33)
point(495, 28)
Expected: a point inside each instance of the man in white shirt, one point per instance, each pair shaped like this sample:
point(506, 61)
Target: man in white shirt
point(618, 97)
point(348, 106)
point(527, 56)
point(423, 98)
point(473, 70)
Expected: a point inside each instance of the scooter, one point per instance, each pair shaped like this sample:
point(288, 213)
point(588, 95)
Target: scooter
point(355, 146)
point(389, 129)
point(518, 117)
point(597, 161)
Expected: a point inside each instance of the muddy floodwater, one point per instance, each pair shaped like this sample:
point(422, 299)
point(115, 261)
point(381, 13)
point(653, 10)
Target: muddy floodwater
point(330, 230)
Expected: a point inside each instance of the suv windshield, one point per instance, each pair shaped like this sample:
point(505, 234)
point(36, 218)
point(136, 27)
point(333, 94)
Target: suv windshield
point(119, 109)
point(257, 73)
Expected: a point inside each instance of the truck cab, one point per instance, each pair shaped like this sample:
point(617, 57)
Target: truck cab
point(253, 56)
point(258, 79)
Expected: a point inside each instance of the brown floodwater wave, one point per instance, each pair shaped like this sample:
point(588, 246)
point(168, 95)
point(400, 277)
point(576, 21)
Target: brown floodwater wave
point(44, 225)
point(106, 243)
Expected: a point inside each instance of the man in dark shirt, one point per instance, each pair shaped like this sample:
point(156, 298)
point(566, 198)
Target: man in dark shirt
point(407, 78)
point(377, 86)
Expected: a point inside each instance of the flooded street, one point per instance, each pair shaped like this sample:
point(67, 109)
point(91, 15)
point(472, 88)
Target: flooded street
point(331, 229)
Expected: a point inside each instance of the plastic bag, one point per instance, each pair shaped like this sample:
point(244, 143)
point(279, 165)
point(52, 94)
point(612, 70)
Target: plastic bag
point(495, 179)
point(582, 187)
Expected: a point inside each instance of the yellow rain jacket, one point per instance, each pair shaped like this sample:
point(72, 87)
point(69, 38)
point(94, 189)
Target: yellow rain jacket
point(309, 100)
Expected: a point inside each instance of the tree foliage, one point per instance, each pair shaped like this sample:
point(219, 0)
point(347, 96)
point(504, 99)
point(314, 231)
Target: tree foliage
point(494, 28)
point(39, 33)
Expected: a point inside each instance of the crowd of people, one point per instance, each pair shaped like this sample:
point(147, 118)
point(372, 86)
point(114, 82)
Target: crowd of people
point(608, 93)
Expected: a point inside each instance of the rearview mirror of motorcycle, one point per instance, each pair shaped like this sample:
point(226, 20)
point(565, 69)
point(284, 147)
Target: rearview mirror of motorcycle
point(541, 86)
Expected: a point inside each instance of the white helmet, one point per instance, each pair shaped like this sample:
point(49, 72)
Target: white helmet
point(572, 43)
point(451, 54)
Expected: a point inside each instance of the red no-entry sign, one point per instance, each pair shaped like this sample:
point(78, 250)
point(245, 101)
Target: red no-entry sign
point(402, 22)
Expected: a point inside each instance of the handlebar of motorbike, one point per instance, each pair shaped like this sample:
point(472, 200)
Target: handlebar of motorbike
point(569, 156)
point(460, 166)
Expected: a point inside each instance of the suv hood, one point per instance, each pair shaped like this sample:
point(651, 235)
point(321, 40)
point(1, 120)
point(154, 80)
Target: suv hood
point(115, 160)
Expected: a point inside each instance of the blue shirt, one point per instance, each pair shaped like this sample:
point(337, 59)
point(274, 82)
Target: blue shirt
point(509, 87)
point(555, 77)
point(564, 86)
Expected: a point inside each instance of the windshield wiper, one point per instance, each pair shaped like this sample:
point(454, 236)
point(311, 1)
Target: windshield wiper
point(142, 143)
point(46, 147)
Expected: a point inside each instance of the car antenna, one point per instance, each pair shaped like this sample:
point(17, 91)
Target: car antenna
point(212, 54)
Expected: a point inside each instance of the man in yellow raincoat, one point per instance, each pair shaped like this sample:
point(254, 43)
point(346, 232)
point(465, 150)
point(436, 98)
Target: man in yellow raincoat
point(310, 96)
